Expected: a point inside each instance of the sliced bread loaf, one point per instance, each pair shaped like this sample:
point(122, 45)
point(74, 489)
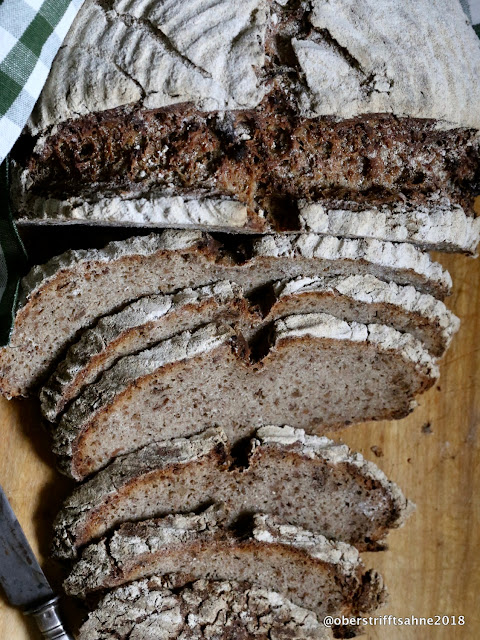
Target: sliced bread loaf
point(73, 290)
point(146, 321)
point(319, 373)
point(325, 577)
point(205, 610)
point(306, 481)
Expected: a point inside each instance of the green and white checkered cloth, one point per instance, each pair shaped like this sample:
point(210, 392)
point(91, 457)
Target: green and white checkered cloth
point(472, 9)
point(31, 32)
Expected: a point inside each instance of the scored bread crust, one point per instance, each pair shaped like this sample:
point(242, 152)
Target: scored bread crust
point(365, 57)
point(167, 376)
point(269, 553)
point(182, 474)
point(204, 610)
point(70, 289)
point(153, 318)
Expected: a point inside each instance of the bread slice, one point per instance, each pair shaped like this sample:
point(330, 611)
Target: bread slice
point(319, 373)
point(146, 321)
point(138, 326)
point(366, 299)
point(430, 225)
point(313, 572)
point(204, 610)
point(306, 481)
point(74, 289)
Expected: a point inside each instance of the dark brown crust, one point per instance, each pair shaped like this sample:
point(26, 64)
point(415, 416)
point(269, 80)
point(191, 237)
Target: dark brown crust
point(370, 159)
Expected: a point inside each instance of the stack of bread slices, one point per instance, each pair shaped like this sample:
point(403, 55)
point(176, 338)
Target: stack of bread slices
point(293, 177)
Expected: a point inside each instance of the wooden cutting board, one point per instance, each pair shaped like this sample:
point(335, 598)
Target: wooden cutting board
point(433, 565)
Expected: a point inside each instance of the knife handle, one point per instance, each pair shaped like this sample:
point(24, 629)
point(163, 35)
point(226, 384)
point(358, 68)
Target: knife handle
point(47, 617)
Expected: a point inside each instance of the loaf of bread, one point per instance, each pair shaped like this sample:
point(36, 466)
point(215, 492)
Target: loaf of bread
point(74, 289)
point(204, 610)
point(319, 373)
point(232, 116)
point(323, 576)
point(306, 481)
point(337, 141)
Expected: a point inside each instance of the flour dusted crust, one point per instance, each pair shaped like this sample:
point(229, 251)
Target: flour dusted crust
point(160, 55)
point(204, 610)
point(209, 214)
point(322, 325)
point(271, 530)
point(79, 520)
point(360, 57)
point(383, 255)
point(434, 226)
point(371, 290)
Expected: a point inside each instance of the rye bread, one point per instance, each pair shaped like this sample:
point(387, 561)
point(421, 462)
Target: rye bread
point(205, 610)
point(306, 481)
point(146, 321)
point(73, 290)
point(347, 59)
point(139, 326)
point(265, 551)
point(319, 373)
point(263, 102)
point(299, 204)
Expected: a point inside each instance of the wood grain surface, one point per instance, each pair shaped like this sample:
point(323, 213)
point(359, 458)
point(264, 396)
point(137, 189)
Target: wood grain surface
point(433, 564)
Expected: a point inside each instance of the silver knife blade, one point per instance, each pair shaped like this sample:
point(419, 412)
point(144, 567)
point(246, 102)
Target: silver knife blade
point(20, 575)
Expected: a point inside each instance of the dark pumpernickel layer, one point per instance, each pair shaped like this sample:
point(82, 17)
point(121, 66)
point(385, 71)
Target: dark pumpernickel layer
point(267, 158)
